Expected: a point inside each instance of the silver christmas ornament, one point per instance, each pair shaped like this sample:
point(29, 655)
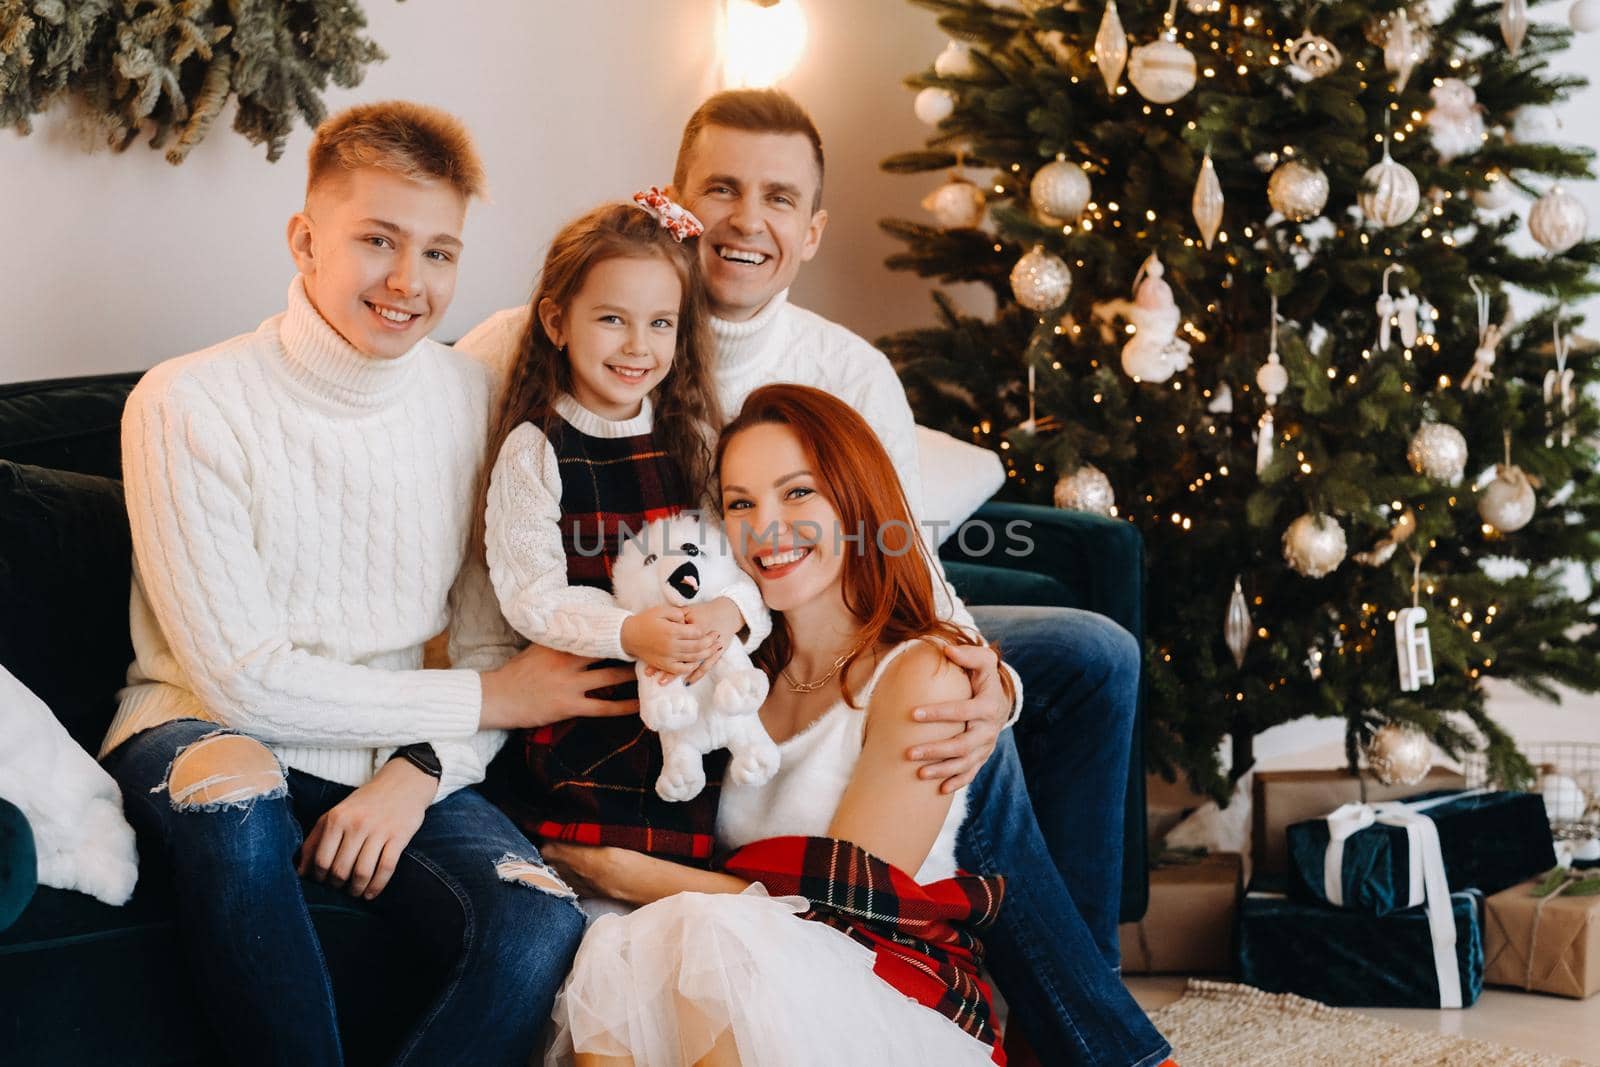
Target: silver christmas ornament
point(1585, 16)
point(1111, 47)
point(1404, 47)
point(1298, 190)
point(1508, 502)
point(1399, 754)
point(1389, 194)
point(955, 62)
point(1558, 220)
point(1203, 7)
point(957, 204)
point(1040, 281)
point(1438, 451)
point(1207, 201)
point(1313, 56)
point(1514, 23)
point(1060, 190)
point(1086, 489)
point(1314, 545)
point(1163, 70)
point(934, 105)
point(1236, 625)
point(1497, 192)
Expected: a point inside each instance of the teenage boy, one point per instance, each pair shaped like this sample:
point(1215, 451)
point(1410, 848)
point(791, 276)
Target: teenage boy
point(750, 167)
point(300, 499)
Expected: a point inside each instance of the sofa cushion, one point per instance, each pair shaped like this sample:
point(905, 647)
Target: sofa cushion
point(980, 583)
point(68, 952)
point(66, 424)
point(18, 866)
point(65, 562)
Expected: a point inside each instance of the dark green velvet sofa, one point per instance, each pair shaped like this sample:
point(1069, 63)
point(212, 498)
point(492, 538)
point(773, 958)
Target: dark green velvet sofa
point(85, 983)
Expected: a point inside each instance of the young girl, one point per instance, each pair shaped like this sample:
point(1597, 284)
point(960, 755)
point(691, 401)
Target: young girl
point(603, 427)
point(879, 963)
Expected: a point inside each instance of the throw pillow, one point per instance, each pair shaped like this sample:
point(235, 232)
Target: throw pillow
point(957, 478)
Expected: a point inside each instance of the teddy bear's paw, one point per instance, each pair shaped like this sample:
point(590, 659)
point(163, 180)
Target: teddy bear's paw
point(680, 781)
point(754, 765)
point(740, 693)
point(667, 709)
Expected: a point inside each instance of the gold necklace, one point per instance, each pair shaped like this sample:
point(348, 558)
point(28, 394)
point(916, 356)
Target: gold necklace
point(812, 687)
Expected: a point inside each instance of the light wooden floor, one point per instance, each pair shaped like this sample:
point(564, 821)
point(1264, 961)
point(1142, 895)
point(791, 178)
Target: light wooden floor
point(1553, 1025)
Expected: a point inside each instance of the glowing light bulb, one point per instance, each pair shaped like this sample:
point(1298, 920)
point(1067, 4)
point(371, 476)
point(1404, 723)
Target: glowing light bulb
point(761, 45)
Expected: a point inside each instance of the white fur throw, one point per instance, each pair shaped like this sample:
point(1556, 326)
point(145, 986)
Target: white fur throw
point(72, 805)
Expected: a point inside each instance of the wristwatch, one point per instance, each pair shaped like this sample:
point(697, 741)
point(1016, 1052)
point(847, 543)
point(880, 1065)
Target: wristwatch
point(422, 757)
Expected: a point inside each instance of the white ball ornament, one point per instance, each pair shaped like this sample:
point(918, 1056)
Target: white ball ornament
point(1563, 799)
point(934, 105)
point(1040, 281)
point(1585, 16)
point(1060, 190)
point(1298, 190)
point(1390, 194)
point(1438, 451)
point(957, 204)
point(1497, 193)
point(955, 62)
point(1314, 545)
point(1558, 220)
point(1272, 379)
point(1508, 502)
point(1086, 489)
point(1162, 71)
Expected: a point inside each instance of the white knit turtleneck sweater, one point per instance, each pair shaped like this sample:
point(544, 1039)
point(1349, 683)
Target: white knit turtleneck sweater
point(300, 516)
point(785, 343)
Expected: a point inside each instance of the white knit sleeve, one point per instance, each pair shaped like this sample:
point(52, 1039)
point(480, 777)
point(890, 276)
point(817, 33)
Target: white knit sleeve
point(527, 563)
point(189, 498)
point(479, 640)
point(874, 390)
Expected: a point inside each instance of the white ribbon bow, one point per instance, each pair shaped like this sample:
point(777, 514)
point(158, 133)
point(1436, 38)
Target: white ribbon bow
point(1427, 883)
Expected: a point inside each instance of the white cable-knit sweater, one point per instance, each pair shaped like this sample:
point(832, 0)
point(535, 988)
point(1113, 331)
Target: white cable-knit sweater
point(528, 563)
point(785, 343)
point(300, 516)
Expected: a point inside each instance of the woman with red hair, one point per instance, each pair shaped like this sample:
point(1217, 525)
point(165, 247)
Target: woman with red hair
point(722, 967)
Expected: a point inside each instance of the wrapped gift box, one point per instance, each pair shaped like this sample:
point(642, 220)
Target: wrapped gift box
point(1348, 959)
point(1189, 926)
point(1283, 797)
point(1488, 841)
point(1553, 949)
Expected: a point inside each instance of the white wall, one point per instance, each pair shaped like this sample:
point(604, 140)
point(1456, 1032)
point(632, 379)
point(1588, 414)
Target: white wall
point(121, 260)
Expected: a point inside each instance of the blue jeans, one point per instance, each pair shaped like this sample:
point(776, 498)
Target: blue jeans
point(1053, 951)
point(502, 948)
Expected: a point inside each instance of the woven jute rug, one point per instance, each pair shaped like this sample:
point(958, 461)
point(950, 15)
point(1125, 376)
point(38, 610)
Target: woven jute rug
point(1218, 1024)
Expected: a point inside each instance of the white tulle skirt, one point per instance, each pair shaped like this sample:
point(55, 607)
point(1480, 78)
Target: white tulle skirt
point(661, 984)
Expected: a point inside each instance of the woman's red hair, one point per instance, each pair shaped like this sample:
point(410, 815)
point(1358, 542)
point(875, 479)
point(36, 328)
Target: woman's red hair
point(888, 578)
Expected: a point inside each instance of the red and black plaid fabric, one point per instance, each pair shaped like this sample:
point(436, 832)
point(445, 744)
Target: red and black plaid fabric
point(592, 781)
point(924, 936)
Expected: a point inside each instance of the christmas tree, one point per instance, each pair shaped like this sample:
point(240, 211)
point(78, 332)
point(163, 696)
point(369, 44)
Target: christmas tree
point(1252, 265)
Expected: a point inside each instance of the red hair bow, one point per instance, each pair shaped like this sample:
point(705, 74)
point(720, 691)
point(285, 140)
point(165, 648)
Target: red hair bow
point(673, 217)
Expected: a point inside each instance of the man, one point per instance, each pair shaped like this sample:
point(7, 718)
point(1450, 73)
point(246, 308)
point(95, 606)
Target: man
point(750, 167)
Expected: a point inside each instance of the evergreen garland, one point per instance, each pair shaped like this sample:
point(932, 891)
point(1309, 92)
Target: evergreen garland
point(170, 66)
point(1184, 472)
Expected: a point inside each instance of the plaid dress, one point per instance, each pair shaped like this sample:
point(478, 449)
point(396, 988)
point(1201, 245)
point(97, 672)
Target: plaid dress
point(923, 936)
point(592, 781)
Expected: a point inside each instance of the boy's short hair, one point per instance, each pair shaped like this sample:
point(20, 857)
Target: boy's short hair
point(415, 141)
point(755, 111)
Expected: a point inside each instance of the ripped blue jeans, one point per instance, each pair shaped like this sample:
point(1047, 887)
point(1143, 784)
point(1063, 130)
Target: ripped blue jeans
point(500, 946)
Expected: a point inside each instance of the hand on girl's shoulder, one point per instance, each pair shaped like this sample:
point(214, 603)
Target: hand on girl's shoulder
point(919, 676)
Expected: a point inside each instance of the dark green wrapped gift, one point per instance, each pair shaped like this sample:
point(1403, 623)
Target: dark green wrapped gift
point(1488, 840)
point(1348, 959)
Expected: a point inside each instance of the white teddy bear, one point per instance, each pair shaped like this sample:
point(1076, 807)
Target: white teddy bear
point(683, 561)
